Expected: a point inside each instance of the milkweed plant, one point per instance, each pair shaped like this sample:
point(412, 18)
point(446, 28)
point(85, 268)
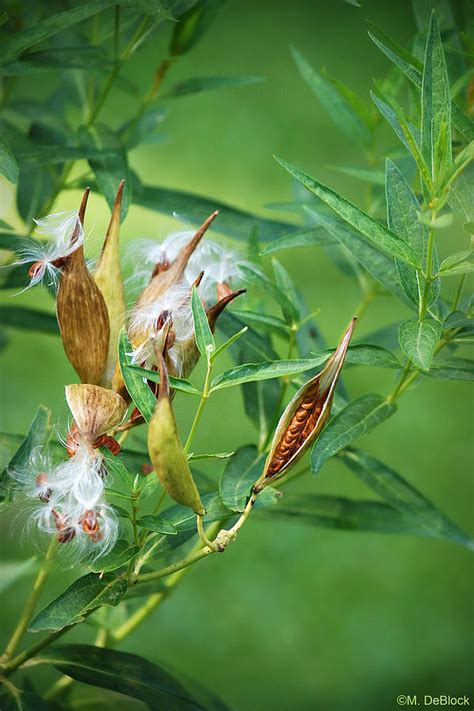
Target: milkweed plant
point(116, 492)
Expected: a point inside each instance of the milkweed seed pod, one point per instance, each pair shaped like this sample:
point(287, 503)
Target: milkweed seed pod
point(166, 453)
point(108, 277)
point(82, 314)
point(95, 410)
point(304, 417)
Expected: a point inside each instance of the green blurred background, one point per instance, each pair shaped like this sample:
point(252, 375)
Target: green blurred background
point(291, 617)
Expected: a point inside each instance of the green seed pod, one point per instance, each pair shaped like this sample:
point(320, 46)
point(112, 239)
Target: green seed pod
point(166, 453)
point(305, 416)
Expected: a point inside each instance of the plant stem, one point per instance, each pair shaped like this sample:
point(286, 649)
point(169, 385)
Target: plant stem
point(174, 567)
point(30, 605)
point(200, 409)
point(429, 270)
point(23, 657)
point(459, 291)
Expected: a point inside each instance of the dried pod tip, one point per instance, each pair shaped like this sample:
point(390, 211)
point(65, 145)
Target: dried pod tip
point(95, 410)
point(214, 312)
point(305, 416)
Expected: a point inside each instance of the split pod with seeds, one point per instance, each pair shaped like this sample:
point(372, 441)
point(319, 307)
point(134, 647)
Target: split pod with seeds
point(304, 417)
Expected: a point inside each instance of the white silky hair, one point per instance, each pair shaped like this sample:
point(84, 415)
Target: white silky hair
point(58, 228)
point(218, 263)
point(26, 477)
point(79, 478)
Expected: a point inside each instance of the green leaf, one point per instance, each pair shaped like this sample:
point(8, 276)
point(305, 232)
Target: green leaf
point(412, 69)
point(451, 368)
point(212, 455)
point(238, 477)
point(137, 388)
point(230, 341)
point(334, 102)
point(366, 354)
point(84, 595)
point(39, 31)
point(348, 515)
point(373, 231)
point(435, 106)
point(374, 177)
point(37, 436)
point(8, 164)
point(119, 556)
point(28, 319)
point(402, 217)
point(35, 186)
point(459, 263)
point(272, 324)
point(356, 419)
point(14, 699)
point(13, 570)
point(259, 278)
point(231, 221)
point(199, 84)
point(301, 238)
point(180, 384)
point(192, 25)
point(378, 264)
point(403, 496)
point(57, 58)
point(120, 671)
point(158, 524)
point(202, 330)
point(418, 341)
point(250, 372)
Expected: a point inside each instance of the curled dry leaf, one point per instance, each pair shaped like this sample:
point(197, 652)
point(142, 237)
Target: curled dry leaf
point(95, 410)
point(166, 453)
point(82, 314)
point(305, 416)
point(108, 277)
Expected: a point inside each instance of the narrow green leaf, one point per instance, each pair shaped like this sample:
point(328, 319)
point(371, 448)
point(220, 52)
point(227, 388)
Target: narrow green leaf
point(250, 372)
point(158, 524)
point(13, 570)
point(202, 331)
point(28, 319)
point(373, 231)
point(377, 263)
point(459, 263)
point(451, 368)
point(254, 343)
point(238, 477)
point(258, 277)
point(137, 388)
point(402, 217)
point(232, 221)
point(50, 26)
point(122, 672)
point(366, 354)
point(121, 554)
point(37, 436)
point(271, 324)
point(345, 514)
point(403, 496)
point(334, 102)
point(213, 455)
point(200, 84)
point(356, 419)
point(180, 384)
point(374, 177)
point(83, 57)
point(192, 25)
point(418, 341)
point(14, 699)
point(230, 341)
point(84, 595)
point(302, 238)
point(412, 69)
point(8, 164)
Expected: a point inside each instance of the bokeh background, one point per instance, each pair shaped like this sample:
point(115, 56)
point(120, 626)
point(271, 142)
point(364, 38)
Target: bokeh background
point(291, 617)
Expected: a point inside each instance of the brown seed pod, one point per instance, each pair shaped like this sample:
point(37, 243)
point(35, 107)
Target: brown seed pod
point(95, 410)
point(305, 416)
point(108, 277)
point(82, 314)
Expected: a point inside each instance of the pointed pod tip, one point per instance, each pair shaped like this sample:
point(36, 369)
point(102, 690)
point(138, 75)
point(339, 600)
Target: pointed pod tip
point(83, 205)
point(164, 389)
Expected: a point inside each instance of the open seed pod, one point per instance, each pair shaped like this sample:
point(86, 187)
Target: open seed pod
point(167, 275)
point(95, 410)
point(166, 453)
point(82, 315)
point(108, 277)
point(305, 416)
